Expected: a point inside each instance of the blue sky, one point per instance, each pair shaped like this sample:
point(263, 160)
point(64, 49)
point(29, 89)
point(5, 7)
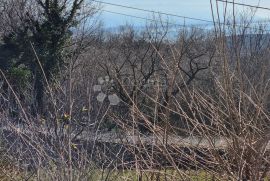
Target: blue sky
point(192, 8)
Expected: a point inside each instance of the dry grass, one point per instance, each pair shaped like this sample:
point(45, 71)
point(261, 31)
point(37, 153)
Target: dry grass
point(209, 122)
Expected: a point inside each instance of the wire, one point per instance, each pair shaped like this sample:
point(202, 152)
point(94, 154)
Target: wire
point(169, 14)
point(130, 7)
point(192, 26)
point(148, 19)
point(157, 12)
point(242, 4)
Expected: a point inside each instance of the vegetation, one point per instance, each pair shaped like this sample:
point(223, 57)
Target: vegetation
point(82, 103)
point(45, 32)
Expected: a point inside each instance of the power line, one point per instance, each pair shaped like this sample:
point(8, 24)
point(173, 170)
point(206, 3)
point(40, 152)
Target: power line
point(130, 7)
point(153, 20)
point(151, 11)
point(242, 4)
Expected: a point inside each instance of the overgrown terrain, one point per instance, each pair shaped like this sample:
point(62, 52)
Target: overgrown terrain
point(78, 102)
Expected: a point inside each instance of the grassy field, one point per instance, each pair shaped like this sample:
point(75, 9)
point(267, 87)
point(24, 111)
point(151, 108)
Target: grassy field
point(112, 175)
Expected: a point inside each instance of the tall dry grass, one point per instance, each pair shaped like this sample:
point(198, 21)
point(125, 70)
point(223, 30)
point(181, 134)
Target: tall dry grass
point(208, 120)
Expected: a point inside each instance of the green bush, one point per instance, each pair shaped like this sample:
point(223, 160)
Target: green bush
point(20, 76)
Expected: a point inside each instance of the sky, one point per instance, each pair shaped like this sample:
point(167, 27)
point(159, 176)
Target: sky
point(189, 8)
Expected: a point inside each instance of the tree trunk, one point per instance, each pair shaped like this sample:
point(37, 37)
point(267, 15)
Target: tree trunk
point(39, 93)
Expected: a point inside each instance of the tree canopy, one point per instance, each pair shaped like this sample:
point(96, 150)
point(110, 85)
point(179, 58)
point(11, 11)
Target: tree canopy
point(45, 32)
